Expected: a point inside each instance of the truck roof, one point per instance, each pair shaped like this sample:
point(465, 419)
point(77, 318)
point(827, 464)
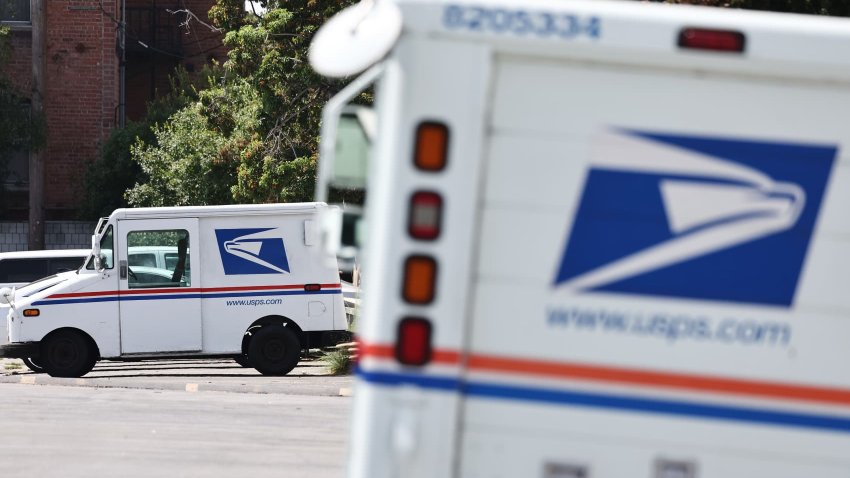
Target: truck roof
point(781, 44)
point(208, 211)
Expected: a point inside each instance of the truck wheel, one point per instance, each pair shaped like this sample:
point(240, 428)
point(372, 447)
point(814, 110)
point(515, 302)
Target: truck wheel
point(67, 354)
point(34, 365)
point(274, 350)
point(242, 360)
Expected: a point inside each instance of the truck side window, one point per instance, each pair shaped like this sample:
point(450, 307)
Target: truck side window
point(171, 273)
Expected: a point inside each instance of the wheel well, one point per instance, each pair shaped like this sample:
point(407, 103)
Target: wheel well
point(272, 320)
point(86, 336)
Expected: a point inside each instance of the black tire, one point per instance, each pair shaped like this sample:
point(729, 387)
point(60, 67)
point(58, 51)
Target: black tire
point(67, 353)
point(34, 365)
point(242, 360)
point(274, 350)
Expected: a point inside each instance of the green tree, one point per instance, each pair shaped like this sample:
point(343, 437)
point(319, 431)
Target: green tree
point(263, 115)
point(108, 179)
point(18, 130)
point(193, 160)
point(819, 7)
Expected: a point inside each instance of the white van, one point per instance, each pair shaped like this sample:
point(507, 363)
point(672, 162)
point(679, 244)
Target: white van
point(22, 267)
point(163, 257)
point(260, 289)
point(604, 239)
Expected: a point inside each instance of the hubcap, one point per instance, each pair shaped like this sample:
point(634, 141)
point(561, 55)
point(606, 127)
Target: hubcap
point(64, 353)
point(274, 349)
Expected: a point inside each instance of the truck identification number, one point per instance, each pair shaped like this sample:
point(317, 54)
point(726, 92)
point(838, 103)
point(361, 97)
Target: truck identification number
point(521, 22)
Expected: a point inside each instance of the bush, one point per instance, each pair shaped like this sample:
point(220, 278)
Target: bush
point(109, 177)
point(338, 361)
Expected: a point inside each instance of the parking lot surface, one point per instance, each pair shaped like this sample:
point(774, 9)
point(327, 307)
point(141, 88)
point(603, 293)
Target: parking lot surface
point(210, 418)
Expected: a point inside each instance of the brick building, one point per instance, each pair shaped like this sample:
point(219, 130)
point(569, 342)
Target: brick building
point(82, 81)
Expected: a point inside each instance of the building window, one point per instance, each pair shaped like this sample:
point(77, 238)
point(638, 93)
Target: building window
point(15, 10)
point(14, 170)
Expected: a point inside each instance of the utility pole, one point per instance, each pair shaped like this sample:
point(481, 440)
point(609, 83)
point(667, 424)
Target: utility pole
point(36, 167)
point(122, 67)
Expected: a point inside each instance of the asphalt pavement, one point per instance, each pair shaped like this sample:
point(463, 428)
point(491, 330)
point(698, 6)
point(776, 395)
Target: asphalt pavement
point(48, 431)
point(176, 418)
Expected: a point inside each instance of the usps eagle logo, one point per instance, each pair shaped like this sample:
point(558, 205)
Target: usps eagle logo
point(252, 251)
point(695, 217)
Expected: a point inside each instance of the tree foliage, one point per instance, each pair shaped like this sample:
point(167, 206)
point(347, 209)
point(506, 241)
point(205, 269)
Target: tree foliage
point(108, 179)
point(19, 130)
point(819, 7)
point(192, 162)
point(252, 137)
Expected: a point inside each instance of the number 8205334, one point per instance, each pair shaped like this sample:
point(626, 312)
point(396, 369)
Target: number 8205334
point(520, 22)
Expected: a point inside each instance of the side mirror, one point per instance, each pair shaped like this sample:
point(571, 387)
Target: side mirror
point(7, 295)
point(95, 248)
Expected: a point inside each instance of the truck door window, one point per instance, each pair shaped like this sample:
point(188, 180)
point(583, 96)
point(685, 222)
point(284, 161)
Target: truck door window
point(143, 274)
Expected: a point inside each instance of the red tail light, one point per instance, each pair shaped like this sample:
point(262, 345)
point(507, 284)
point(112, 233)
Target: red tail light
point(413, 344)
point(426, 210)
point(313, 287)
point(713, 40)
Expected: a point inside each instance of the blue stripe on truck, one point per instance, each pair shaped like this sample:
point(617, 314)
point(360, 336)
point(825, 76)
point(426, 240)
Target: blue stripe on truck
point(181, 296)
point(614, 402)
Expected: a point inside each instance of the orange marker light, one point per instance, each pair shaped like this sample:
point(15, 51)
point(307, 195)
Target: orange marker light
point(31, 312)
point(432, 146)
point(420, 277)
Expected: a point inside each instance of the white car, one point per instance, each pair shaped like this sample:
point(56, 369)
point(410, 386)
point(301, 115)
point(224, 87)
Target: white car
point(20, 268)
point(142, 277)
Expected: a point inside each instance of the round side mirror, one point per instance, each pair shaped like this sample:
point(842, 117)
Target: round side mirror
point(6, 295)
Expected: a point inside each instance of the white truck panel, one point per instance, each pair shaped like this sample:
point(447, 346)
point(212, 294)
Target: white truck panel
point(591, 355)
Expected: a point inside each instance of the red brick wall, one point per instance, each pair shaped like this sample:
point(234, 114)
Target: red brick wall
point(148, 71)
point(82, 74)
point(81, 93)
point(200, 43)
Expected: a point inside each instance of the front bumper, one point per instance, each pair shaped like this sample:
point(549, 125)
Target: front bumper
point(25, 350)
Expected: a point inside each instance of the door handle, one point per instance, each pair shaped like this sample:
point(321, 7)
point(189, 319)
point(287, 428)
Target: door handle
point(122, 270)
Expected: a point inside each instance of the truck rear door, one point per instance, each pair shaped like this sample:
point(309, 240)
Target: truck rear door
point(659, 276)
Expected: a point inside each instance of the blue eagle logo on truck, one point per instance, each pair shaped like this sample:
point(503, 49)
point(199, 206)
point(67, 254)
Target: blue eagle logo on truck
point(252, 251)
point(695, 217)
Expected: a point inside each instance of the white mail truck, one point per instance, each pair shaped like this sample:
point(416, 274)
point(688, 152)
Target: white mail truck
point(247, 281)
point(603, 239)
